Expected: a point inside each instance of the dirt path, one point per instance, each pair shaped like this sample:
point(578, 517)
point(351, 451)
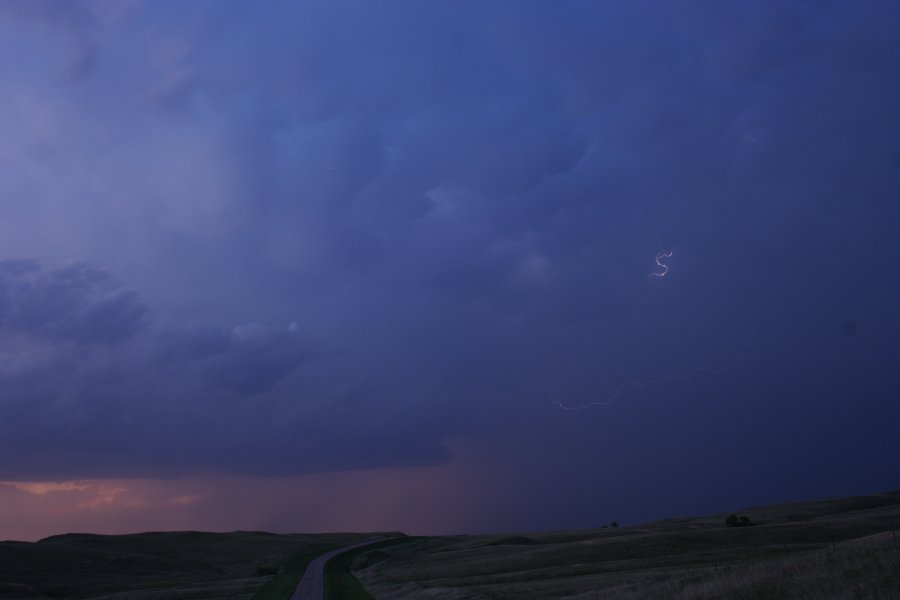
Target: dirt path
point(312, 586)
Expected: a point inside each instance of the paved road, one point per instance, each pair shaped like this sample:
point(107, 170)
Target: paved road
point(312, 586)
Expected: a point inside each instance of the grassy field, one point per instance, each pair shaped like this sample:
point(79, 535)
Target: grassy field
point(842, 549)
point(826, 549)
point(161, 566)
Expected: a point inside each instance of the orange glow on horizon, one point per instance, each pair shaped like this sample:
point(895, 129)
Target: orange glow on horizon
point(409, 499)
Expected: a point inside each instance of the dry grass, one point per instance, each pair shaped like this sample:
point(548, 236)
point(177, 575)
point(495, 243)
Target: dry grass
point(869, 570)
point(826, 549)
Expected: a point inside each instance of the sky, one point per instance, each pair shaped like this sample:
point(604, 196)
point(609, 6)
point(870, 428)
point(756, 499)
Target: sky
point(444, 267)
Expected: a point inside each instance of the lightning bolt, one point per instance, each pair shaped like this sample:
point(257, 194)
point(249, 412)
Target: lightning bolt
point(639, 384)
point(662, 265)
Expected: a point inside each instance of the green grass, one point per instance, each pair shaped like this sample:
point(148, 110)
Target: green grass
point(282, 585)
point(340, 583)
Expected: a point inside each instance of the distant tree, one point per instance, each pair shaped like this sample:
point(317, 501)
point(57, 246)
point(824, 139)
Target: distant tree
point(733, 520)
point(614, 524)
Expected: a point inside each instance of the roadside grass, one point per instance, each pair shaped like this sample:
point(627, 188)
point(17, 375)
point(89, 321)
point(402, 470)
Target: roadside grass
point(341, 583)
point(282, 585)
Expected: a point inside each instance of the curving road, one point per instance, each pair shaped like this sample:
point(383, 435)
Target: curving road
point(312, 586)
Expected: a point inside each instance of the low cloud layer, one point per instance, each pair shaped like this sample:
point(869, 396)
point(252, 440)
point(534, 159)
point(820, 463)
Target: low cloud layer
point(93, 384)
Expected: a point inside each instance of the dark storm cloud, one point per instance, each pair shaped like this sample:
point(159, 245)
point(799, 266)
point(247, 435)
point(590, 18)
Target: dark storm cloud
point(93, 384)
point(463, 201)
point(73, 303)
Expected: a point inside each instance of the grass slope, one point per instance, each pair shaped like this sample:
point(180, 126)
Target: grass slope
point(825, 549)
point(157, 566)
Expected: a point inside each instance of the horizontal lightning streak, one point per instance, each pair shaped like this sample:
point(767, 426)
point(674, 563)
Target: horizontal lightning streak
point(639, 384)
